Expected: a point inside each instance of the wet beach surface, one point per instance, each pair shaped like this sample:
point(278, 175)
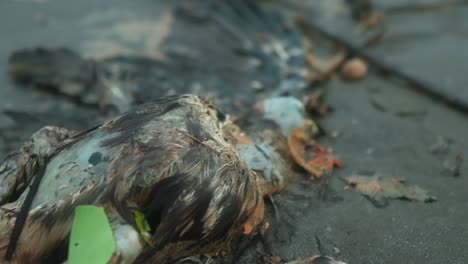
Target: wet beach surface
point(380, 127)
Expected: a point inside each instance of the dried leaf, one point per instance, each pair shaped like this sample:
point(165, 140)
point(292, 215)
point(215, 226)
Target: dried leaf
point(310, 155)
point(324, 69)
point(380, 189)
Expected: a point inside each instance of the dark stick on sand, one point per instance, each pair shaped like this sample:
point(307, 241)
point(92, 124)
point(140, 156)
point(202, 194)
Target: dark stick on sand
point(425, 7)
point(418, 85)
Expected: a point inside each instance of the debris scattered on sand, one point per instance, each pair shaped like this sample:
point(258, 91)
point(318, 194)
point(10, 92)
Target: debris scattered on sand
point(324, 69)
point(55, 69)
point(309, 154)
point(354, 69)
point(442, 150)
point(311, 260)
point(314, 104)
point(379, 190)
point(453, 167)
point(442, 146)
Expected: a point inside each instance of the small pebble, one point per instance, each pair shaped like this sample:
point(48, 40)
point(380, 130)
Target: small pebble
point(354, 69)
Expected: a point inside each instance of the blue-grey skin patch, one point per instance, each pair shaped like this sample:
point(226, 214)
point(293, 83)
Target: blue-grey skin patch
point(263, 157)
point(286, 112)
point(80, 165)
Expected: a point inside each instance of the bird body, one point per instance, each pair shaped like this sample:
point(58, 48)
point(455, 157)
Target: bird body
point(176, 159)
point(171, 159)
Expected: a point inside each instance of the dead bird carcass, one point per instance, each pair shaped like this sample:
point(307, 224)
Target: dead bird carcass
point(175, 160)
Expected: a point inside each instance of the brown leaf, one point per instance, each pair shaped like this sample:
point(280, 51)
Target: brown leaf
point(324, 69)
point(309, 154)
point(382, 188)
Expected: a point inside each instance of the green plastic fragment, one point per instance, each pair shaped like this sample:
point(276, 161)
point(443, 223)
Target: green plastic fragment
point(91, 239)
point(143, 226)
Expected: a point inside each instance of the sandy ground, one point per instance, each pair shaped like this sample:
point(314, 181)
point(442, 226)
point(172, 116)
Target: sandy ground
point(315, 219)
